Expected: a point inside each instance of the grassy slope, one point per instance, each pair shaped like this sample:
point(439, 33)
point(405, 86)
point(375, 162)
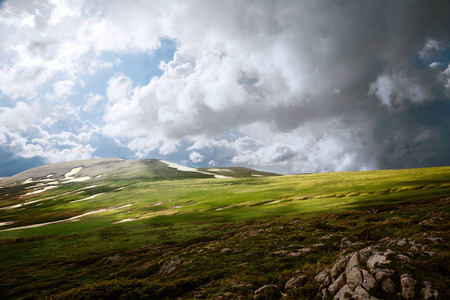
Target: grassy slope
point(193, 219)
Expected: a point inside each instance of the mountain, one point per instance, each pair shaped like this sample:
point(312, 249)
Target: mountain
point(116, 168)
point(151, 229)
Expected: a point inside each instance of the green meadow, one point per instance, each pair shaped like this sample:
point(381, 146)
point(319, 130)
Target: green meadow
point(111, 236)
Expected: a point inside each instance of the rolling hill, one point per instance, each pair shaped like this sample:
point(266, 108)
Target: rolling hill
point(150, 229)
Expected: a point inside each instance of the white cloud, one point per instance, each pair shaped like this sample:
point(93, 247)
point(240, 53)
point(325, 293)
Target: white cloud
point(195, 157)
point(63, 88)
point(92, 101)
point(20, 117)
point(120, 87)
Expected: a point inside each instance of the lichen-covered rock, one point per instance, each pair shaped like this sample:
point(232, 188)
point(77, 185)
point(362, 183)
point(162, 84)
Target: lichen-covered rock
point(337, 284)
point(364, 274)
point(428, 292)
point(170, 267)
point(361, 294)
point(229, 251)
point(345, 293)
point(267, 292)
point(376, 260)
point(352, 262)
point(296, 282)
point(354, 277)
point(408, 285)
point(402, 243)
point(339, 267)
point(388, 285)
point(323, 277)
point(380, 274)
point(369, 282)
point(281, 253)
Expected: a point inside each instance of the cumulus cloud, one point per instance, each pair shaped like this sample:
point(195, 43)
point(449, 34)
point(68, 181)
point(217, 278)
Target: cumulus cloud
point(395, 89)
point(293, 86)
point(92, 101)
point(195, 157)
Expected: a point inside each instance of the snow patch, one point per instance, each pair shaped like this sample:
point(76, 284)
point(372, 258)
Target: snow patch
point(189, 169)
point(40, 191)
point(219, 170)
point(72, 172)
point(29, 180)
point(124, 220)
point(6, 223)
point(87, 198)
point(72, 219)
point(276, 201)
point(220, 208)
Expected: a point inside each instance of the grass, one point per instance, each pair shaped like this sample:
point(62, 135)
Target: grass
point(192, 220)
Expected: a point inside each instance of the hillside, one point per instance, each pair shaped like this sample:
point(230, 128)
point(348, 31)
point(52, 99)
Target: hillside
point(111, 228)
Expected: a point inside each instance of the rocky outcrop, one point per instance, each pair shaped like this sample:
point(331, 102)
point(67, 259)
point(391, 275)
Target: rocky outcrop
point(170, 266)
point(368, 274)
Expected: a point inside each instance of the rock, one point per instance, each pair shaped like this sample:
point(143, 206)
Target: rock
point(345, 243)
point(339, 267)
point(113, 260)
point(323, 277)
point(305, 250)
point(353, 262)
point(402, 257)
point(376, 260)
point(408, 283)
point(430, 253)
point(428, 292)
point(337, 284)
point(411, 242)
point(402, 243)
point(354, 277)
point(380, 274)
point(437, 240)
point(267, 292)
point(361, 294)
point(281, 253)
point(388, 285)
point(389, 252)
point(318, 245)
point(369, 282)
point(344, 293)
point(170, 267)
point(296, 282)
point(301, 252)
point(228, 251)
point(386, 240)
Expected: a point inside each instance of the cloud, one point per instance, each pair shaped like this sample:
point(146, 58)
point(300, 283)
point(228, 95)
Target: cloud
point(293, 86)
point(392, 90)
point(92, 101)
point(63, 88)
point(195, 157)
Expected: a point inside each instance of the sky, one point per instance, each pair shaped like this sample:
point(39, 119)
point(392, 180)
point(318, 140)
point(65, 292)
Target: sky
point(290, 86)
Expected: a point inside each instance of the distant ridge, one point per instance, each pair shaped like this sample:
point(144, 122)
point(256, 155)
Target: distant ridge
point(124, 168)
